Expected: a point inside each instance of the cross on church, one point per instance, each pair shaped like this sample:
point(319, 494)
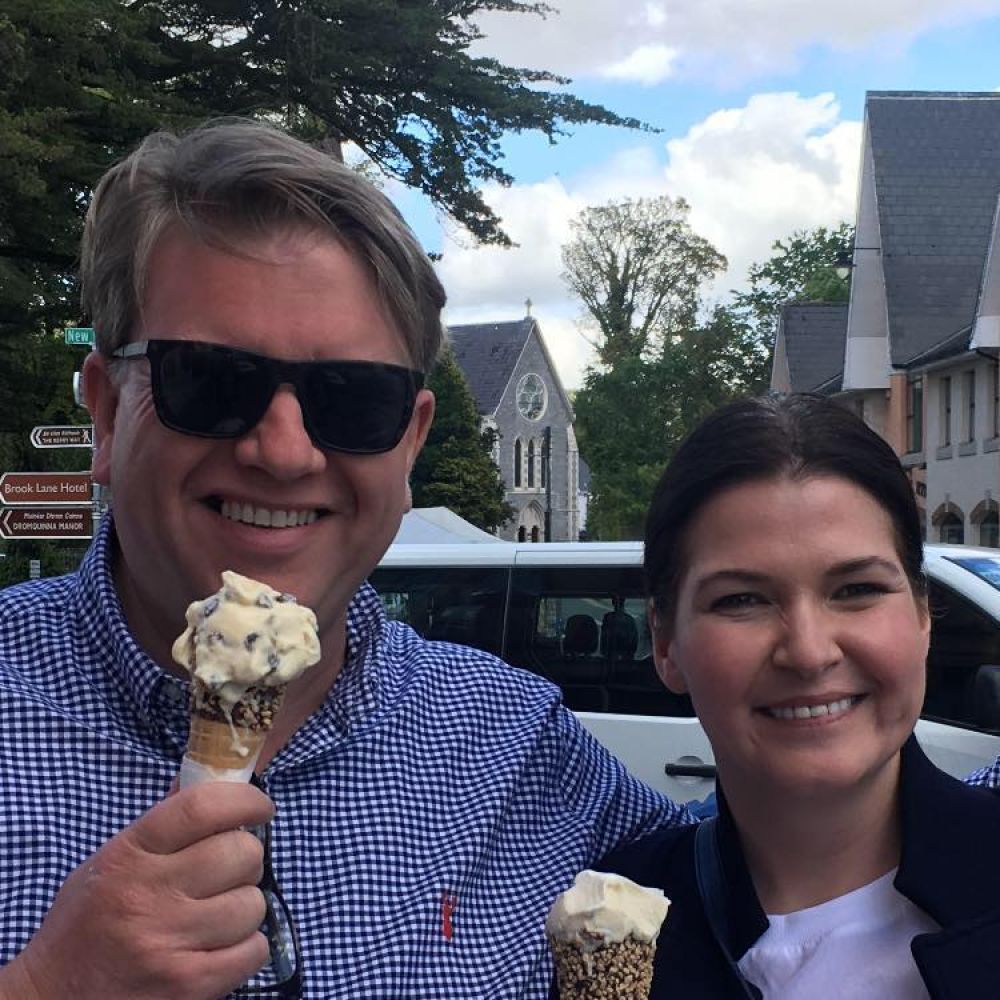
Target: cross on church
point(527, 305)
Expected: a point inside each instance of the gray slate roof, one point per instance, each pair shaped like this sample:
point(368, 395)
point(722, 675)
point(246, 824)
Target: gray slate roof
point(487, 354)
point(937, 177)
point(814, 333)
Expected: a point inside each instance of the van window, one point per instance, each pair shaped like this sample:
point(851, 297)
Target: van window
point(587, 632)
point(962, 689)
point(454, 605)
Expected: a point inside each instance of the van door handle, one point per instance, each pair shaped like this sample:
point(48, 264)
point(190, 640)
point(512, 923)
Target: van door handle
point(689, 770)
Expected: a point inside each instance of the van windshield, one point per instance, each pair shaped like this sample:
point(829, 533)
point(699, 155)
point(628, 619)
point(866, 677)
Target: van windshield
point(985, 567)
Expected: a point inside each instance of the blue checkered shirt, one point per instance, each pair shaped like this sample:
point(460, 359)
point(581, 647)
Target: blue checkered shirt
point(986, 777)
point(427, 814)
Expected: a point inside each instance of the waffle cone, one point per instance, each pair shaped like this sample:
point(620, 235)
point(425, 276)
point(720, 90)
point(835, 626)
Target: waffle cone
point(216, 744)
point(619, 970)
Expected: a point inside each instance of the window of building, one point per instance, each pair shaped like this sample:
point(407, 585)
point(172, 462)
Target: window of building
point(517, 463)
point(989, 530)
point(534, 532)
point(996, 399)
point(970, 406)
point(546, 457)
point(521, 534)
point(946, 410)
point(915, 415)
point(951, 530)
point(488, 426)
point(531, 464)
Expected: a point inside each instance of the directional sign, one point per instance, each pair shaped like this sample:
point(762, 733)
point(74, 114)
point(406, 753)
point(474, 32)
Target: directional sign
point(21, 488)
point(79, 335)
point(46, 522)
point(63, 436)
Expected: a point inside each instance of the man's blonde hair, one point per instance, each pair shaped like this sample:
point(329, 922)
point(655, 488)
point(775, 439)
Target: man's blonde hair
point(230, 180)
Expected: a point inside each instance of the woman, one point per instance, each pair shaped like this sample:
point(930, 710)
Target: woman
point(783, 560)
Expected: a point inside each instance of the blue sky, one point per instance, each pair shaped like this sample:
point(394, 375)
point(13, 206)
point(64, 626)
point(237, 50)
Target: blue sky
point(759, 104)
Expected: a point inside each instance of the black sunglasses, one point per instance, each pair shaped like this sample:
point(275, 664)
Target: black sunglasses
point(359, 407)
point(281, 978)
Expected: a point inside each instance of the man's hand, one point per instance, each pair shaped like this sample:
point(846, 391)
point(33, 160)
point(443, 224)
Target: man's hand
point(168, 908)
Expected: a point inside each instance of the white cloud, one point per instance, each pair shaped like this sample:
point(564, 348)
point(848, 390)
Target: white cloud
point(715, 39)
point(648, 65)
point(751, 174)
point(757, 173)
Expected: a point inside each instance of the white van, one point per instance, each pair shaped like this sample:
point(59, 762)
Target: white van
point(575, 613)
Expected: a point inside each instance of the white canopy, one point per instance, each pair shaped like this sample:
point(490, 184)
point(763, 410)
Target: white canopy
point(438, 525)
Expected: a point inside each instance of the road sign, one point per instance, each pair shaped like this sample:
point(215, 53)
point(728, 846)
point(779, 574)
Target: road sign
point(63, 436)
point(79, 335)
point(45, 522)
point(23, 488)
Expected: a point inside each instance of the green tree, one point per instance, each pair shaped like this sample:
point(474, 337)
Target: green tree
point(456, 468)
point(82, 80)
point(800, 267)
point(632, 417)
point(637, 266)
point(634, 412)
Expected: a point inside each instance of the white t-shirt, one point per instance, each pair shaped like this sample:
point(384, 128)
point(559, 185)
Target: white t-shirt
point(854, 947)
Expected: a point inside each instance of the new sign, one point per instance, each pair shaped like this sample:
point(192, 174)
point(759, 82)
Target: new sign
point(83, 335)
point(24, 488)
point(63, 436)
point(45, 522)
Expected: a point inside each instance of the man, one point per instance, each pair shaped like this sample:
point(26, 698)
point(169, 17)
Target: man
point(264, 320)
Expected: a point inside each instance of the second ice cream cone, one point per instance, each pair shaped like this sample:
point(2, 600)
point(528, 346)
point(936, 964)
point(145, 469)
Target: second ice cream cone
point(618, 970)
point(603, 933)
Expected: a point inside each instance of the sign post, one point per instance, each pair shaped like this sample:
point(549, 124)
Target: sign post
point(22, 489)
point(44, 522)
point(63, 436)
point(80, 335)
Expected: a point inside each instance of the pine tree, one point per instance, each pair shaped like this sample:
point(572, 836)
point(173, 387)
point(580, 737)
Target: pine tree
point(456, 468)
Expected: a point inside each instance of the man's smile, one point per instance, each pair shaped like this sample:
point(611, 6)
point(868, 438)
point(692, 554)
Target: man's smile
point(266, 517)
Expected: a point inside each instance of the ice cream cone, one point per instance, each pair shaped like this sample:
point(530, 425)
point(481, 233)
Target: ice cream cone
point(219, 745)
point(224, 746)
point(603, 932)
point(242, 646)
point(619, 970)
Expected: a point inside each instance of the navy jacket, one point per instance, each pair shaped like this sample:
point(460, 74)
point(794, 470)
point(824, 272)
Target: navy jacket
point(949, 868)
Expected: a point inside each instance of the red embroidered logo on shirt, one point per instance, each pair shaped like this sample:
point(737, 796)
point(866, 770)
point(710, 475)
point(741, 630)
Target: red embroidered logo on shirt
point(449, 903)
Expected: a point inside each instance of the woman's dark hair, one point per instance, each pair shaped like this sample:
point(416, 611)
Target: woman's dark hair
point(796, 436)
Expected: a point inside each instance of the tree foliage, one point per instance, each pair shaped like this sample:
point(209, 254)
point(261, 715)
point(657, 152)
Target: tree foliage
point(652, 390)
point(82, 80)
point(456, 468)
point(632, 417)
point(800, 267)
point(637, 266)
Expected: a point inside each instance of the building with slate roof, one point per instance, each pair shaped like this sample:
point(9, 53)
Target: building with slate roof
point(519, 394)
point(922, 335)
point(809, 347)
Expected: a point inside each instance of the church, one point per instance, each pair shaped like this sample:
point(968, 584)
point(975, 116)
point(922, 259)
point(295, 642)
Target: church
point(519, 395)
